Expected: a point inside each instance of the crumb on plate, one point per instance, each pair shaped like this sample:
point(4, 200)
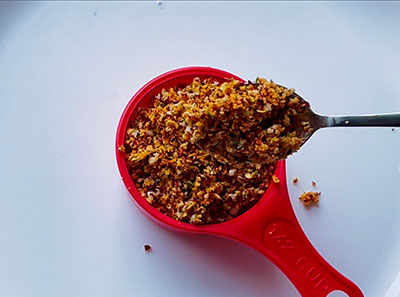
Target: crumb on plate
point(310, 197)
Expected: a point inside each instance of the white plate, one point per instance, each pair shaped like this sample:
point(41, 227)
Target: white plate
point(67, 70)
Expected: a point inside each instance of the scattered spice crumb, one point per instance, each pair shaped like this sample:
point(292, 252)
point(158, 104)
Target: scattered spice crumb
point(206, 152)
point(392, 129)
point(295, 180)
point(275, 179)
point(121, 148)
point(147, 248)
point(313, 183)
point(310, 197)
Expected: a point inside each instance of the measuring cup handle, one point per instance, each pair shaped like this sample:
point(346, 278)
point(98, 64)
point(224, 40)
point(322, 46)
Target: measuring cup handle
point(272, 228)
point(288, 247)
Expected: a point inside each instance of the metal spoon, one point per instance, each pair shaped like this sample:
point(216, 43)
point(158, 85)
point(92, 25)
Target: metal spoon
point(318, 121)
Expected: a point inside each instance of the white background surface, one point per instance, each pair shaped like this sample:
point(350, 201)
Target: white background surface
point(67, 70)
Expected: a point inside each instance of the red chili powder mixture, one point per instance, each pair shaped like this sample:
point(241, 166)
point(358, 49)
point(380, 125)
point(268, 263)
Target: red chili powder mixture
point(206, 153)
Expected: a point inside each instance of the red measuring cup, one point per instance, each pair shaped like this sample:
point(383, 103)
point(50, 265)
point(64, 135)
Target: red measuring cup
point(270, 226)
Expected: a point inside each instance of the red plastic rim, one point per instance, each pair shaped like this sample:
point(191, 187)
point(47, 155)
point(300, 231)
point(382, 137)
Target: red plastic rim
point(182, 76)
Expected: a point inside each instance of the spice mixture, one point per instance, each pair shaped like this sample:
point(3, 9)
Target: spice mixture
point(206, 153)
point(310, 197)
